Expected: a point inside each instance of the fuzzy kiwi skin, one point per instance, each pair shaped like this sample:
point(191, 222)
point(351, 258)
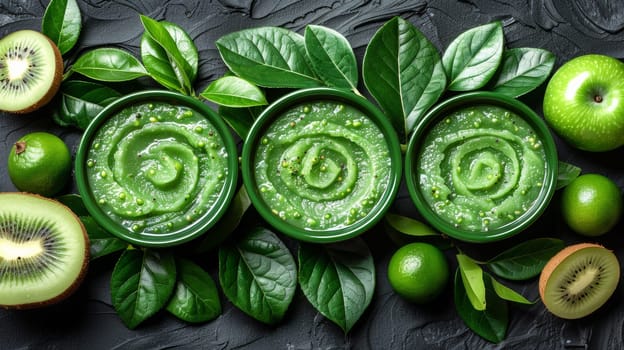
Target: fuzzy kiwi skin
point(83, 271)
point(56, 83)
point(554, 262)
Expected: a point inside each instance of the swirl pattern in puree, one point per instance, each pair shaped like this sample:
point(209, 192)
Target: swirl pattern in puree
point(322, 165)
point(156, 167)
point(481, 167)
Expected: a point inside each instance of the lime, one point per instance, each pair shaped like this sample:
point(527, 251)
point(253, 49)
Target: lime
point(418, 272)
point(39, 163)
point(591, 204)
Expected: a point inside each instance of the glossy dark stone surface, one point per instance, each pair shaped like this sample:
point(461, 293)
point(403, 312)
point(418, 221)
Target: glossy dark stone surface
point(87, 320)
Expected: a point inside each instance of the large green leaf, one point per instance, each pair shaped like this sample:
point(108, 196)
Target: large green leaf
point(473, 57)
point(338, 279)
point(403, 72)
point(195, 298)
point(232, 91)
point(332, 57)
point(109, 64)
point(258, 274)
point(522, 70)
point(62, 23)
point(141, 284)
point(472, 278)
point(101, 242)
point(268, 56)
point(240, 119)
point(526, 260)
point(81, 101)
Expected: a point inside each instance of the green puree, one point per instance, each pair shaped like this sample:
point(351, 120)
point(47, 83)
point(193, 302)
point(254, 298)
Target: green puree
point(481, 167)
point(322, 165)
point(156, 168)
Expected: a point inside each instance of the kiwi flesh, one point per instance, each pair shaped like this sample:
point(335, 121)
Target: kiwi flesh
point(44, 251)
point(578, 280)
point(31, 70)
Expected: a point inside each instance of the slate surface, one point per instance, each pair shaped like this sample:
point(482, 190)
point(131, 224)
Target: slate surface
point(87, 320)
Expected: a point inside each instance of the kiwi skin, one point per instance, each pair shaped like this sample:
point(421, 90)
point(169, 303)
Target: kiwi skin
point(556, 260)
point(83, 270)
point(56, 82)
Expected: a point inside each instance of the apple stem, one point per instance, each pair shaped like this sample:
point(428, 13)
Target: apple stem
point(597, 98)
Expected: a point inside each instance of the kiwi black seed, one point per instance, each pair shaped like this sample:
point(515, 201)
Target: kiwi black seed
point(44, 251)
point(578, 280)
point(31, 70)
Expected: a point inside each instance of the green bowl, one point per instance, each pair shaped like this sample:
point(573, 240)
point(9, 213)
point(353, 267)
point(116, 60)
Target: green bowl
point(521, 219)
point(203, 216)
point(309, 100)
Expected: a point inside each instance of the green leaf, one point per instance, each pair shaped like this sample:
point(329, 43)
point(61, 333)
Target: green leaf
point(472, 278)
point(268, 56)
point(169, 55)
point(258, 274)
point(507, 293)
point(81, 101)
point(566, 174)
point(109, 64)
point(232, 91)
point(141, 284)
point(522, 70)
point(62, 23)
point(338, 279)
point(403, 72)
point(331, 57)
point(491, 323)
point(195, 298)
point(473, 57)
point(240, 119)
point(74, 202)
point(410, 226)
point(102, 243)
point(525, 260)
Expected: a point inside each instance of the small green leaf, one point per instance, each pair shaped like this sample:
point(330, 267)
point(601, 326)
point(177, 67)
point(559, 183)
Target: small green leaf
point(268, 56)
point(522, 70)
point(338, 279)
point(74, 202)
point(403, 72)
point(258, 274)
point(232, 91)
point(81, 101)
point(109, 64)
point(62, 23)
point(101, 242)
point(195, 298)
point(472, 277)
point(525, 260)
point(507, 293)
point(473, 57)
point(141, 284)
point(410, 226)
point(331, 57)
point(240, 119)
point(491, 323)
point(566, 174)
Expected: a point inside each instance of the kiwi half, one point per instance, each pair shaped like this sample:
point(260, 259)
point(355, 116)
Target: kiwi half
point(578, 280)
point(44, 251)
point(31, 70)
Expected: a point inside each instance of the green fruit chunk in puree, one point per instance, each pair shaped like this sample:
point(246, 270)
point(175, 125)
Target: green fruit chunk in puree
point(481, 167)
point(156, 167)
point(322, 165)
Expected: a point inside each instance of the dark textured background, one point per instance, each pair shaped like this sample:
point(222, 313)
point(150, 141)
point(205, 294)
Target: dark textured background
point(87, 320)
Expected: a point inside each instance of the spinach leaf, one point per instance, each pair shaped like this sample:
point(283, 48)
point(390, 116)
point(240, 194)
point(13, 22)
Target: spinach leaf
point(472, 278)
point(522, 70)
point(141, 284)
point(232, 91)
point(81, 101)
point(195, 298)
point(525, 260)
point(338, 279)
point(101, 242)
point(403, 72)
point(240, 119)
point(331, 57)
point(507, 293)
point(109, 64)
point(169, 55)
point(62, 23)
point(473, 57)
point(566, 174)
point(268, 56)
point(491, 323)
point(258, 274)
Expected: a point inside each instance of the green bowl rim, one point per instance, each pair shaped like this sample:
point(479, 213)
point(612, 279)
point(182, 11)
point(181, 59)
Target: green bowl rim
point(322, 94)
point(182, 235)
point(472, 98)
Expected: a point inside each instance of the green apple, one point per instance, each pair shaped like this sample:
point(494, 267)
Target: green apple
point(584, 102)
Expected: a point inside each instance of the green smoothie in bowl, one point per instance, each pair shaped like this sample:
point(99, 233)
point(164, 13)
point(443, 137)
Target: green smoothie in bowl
point(154, 169)
point(321, 165)
point(482, 167)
